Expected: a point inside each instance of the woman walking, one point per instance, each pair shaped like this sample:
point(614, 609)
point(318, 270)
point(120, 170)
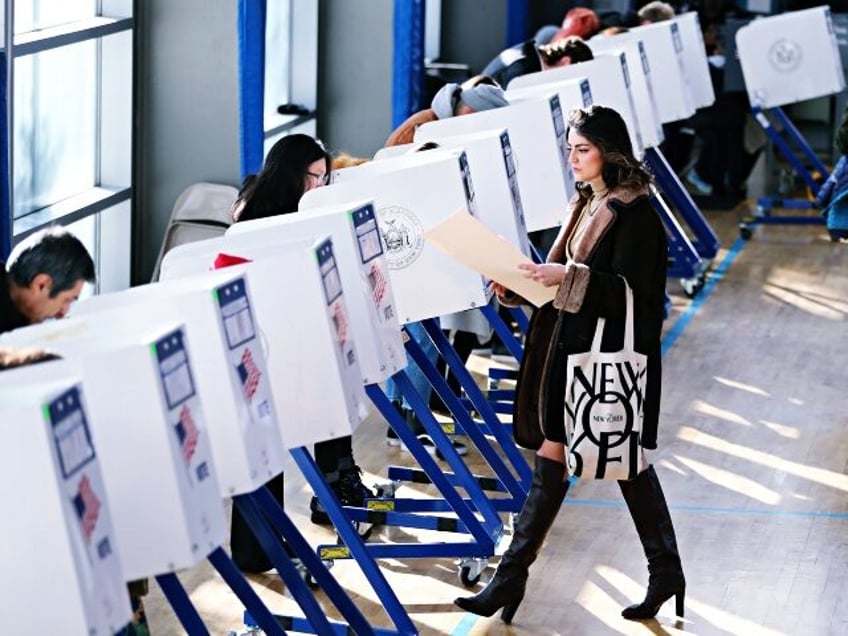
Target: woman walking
point(611, 233)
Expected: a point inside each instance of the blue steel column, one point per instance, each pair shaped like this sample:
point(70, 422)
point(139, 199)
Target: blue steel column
point(517, 21)
point(5, 166)
point(408, 66)
point(251, 43)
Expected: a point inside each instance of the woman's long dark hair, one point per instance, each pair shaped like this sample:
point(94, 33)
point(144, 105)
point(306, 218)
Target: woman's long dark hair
point(281, 182)
point(606, 129)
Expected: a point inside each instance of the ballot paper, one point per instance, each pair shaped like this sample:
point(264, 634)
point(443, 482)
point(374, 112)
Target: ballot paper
point(476, 246)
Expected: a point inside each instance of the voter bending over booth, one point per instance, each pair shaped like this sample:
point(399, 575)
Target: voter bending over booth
point(44, 274)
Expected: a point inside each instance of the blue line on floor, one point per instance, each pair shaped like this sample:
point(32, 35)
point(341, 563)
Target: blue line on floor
point(686, 317)
point(468, 620)
point(465, 624)
point(604, 503)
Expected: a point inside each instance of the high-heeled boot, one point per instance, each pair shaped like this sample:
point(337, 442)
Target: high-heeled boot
point(647, 506)
point(506, 588)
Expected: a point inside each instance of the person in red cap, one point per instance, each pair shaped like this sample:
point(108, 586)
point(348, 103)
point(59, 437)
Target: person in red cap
point(579, 21)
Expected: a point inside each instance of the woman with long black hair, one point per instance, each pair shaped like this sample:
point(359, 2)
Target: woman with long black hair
point(295, 164)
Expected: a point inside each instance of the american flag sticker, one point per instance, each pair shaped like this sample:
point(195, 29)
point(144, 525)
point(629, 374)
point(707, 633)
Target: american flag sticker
point(340, 323)
point(249, 374)
point(378, 283)
point(187, 433)
point(87, 506)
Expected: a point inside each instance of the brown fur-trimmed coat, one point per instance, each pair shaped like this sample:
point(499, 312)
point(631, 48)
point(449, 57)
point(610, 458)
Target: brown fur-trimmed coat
point(624, 237)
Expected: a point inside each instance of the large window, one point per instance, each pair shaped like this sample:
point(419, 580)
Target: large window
point(69, 121)
point(291, 68)
point(55, 132)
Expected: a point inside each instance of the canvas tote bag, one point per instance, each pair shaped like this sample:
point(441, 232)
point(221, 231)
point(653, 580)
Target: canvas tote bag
point(604, 400)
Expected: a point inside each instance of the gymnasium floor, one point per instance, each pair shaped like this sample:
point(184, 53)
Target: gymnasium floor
point(752, 457)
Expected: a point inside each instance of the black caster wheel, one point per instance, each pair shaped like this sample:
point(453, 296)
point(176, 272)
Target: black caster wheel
point(310, 581)
point(470, 571)
point(690, 286)
point(745, 231)
point(467, 578)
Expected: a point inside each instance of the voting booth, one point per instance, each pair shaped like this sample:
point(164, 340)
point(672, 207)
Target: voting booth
point(790, 57)
point(363, 270)
point(498, 198)
point(609, 78)
point(695, 59)
point(664, 48)
point(304, 326)
point(537, 136)
point(60, 556)
point(411, 194)
point(229, 367)
point(149, 430)
point(641, 84)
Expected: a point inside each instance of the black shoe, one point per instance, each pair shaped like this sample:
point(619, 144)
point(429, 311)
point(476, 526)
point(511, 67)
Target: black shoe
point(349, 490)
point(506, 589)
point(659, 591)
point(647, 506)
point(430, 446)
point(391, 437)
point(319, 514)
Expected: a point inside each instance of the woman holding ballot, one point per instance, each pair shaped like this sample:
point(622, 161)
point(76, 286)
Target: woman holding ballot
point(611, 234)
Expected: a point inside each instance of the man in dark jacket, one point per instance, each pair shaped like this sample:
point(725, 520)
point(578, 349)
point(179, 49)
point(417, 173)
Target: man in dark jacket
point(527, 57)
point(44, 275)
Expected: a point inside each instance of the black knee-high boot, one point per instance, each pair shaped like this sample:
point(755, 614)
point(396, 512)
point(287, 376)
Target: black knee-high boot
point(647, 506)
point(506, 589)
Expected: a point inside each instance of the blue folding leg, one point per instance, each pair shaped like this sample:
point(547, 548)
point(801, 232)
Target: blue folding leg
point(352, 541)
point(506, 481)
point(485, 532)
point(264, 501)
point(504, 332)
point(187, 614)
point(249, 598)
point(705, 240)
point(273, 547)
point(479, 401)
point(765, 204)
point(180, 602)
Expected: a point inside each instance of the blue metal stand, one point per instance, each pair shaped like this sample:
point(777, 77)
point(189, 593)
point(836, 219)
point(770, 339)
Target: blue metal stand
point(352, 544)
point(473, 555)
point(273, 547)
point(239, 585)
point(180, 602)
point(705, 241)
point(279, 520)
point(684, 261)
point(484, 532)
point(504, 478)
point(479, 402)
point(689, 257)
point(504, 332)
point(763, 215)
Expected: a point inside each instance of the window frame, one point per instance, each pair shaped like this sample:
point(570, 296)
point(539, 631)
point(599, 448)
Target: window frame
point(113, 166)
